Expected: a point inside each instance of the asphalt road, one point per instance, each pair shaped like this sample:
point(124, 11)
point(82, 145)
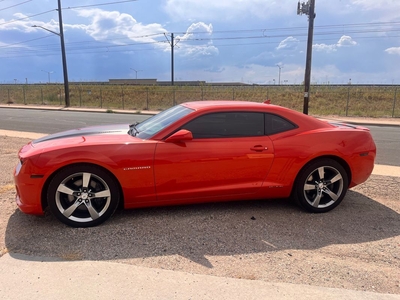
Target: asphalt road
point(49, 121)
point(387, 138)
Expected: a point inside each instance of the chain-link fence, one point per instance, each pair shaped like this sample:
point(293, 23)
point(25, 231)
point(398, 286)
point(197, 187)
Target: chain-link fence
point(351, 100)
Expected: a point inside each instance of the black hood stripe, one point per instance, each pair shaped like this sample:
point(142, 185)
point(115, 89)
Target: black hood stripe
point(95, 130)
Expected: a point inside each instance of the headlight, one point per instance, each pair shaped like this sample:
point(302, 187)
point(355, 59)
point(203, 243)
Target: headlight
point(18, 167)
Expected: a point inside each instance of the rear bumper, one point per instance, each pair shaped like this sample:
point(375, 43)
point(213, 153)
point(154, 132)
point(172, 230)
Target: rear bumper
point(362, 165)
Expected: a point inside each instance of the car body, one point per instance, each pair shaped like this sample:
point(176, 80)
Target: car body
point(194, 152)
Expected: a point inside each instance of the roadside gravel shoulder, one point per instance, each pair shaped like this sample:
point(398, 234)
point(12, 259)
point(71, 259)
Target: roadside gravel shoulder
point(354, 247)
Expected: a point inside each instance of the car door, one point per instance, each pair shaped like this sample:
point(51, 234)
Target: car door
point(228, 156)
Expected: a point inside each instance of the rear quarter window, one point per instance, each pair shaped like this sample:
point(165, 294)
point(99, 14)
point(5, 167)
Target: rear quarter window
point(277, 124)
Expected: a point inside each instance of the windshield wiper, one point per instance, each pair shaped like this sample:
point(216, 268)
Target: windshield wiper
point(133, 130)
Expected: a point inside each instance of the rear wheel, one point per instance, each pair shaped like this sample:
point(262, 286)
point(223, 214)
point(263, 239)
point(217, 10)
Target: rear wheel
point(82, 195)
point(321, 185)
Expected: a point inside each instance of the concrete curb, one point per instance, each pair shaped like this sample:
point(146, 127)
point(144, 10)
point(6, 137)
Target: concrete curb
point(39, 278)
point(80, 109)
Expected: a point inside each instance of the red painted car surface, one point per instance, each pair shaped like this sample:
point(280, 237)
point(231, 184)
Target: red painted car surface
point(194, 152)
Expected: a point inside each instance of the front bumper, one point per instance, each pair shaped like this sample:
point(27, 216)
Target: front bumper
point(28, 191)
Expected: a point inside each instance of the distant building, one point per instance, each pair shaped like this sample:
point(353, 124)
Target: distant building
point(133, 81)
point(165, 83)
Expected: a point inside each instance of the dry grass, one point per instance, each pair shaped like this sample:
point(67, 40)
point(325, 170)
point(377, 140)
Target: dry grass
point(352, 100)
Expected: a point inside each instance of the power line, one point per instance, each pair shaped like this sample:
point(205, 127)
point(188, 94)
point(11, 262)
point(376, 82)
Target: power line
point(285, 35)
point(100, 4)
point(42, 13)
point(15, 5)
point(358, 31)
point(45, 12)
point(296, 28)
point(118, 38)
point(84, 50)
point(43, 37)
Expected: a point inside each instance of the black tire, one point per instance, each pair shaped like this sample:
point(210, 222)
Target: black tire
point(83, 195)
point(321, 185)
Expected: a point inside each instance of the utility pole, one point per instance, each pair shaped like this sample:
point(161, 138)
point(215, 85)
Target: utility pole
point(172, 58)
point(173, 44)
point(307, 9)
point(64, 57)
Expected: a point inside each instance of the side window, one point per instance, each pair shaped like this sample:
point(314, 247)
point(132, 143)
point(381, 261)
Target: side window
point(227, 124)
point(276, 124)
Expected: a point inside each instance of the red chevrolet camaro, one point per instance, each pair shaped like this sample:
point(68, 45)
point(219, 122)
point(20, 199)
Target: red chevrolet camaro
point(191, 153)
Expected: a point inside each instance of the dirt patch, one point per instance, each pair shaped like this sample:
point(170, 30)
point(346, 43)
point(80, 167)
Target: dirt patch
point(356, 246)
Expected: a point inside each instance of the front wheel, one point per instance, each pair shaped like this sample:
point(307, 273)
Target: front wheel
point(82, 195)
point(321, 185)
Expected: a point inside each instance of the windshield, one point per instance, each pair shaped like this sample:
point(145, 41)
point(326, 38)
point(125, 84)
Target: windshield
point(153, 125)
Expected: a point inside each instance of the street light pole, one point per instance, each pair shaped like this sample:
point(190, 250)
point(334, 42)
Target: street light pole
point(136, 71)
point(48, 73)
point(280, 67)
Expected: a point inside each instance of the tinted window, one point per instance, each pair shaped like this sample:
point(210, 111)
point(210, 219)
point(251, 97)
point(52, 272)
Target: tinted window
point(227, 124)
point(276, 124)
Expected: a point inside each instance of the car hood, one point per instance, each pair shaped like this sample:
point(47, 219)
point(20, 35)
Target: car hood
point(94, 130)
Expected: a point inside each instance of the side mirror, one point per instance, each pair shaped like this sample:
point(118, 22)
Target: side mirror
point(180, 136)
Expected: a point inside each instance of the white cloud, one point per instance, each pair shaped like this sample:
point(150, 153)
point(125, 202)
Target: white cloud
point(117, 28)
point(344, 41)
point(108, 25)
point(393, 50)
point(26, 24)
point(197, 41)
point(381, 10)
point(290, 43)
point(377, 4)
point(227, 9)
point(195, 51)
point(199, 27)
point(325, 48)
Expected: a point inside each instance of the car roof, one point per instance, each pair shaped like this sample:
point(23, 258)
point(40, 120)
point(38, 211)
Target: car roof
point(302, 120)
point(200, 105)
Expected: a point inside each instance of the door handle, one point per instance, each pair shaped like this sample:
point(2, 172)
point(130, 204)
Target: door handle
point(258, 148)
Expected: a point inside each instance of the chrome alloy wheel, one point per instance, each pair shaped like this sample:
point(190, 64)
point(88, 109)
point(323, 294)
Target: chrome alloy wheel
point(83, 197)
point(323, 187)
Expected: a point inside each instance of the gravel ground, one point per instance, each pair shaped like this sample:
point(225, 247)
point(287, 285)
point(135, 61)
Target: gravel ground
point(356, 246)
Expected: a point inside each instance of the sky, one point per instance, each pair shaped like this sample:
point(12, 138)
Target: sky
point(246, 41)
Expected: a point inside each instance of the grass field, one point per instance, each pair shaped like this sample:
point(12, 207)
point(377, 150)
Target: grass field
point(351, 100)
